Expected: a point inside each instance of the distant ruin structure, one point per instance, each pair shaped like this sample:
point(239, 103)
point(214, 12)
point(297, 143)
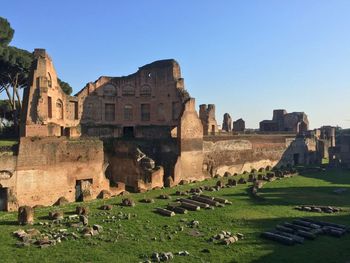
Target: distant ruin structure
point(207, 117)
point(295, 122)
point(339, 155)
point(227, 123)
point(239, 125)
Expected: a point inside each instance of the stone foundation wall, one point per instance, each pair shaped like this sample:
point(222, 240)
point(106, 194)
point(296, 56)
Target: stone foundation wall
point(49, 168)
point(240, 153)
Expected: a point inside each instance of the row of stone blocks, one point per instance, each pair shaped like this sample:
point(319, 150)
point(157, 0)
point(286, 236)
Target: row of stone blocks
point(194, 203)
point(304, 228)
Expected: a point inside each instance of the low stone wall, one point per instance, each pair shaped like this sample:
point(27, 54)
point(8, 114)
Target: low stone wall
point(49, 168)
point(240, 153)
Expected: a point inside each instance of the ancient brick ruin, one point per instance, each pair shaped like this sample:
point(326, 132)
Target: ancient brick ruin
point(227, 123)
point(339, 155)
point(282, 121)
point(207, 116)
point(137, 132)
point(238, 125)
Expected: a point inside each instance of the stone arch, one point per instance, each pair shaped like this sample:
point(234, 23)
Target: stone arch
point(128, 90)
point(109, 90)
point(145, 91)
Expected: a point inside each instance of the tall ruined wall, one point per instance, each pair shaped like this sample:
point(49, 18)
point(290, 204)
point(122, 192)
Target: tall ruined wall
point(190, 142)
point(243, 153)
point(50, 168)
point(296, 122)
point(207, 117)
point(151, 97)
point(47, 110)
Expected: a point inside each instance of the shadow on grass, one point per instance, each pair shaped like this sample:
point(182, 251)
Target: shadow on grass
point(323, 249)
point(9, 223)
point(334, 176)
point(44, 217)
point(317, 195)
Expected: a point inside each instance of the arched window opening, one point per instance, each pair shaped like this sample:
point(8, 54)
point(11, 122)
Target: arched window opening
point(145, 91)
point(128, 90)
point(109, 90)
point(59, 109)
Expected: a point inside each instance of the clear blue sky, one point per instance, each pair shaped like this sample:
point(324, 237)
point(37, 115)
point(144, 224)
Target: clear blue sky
point(247, 57)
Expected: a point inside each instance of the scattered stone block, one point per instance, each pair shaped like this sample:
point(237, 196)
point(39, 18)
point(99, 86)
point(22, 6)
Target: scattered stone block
point(165, 212)
point(56, 215)
point(147, 200)
point(82, 210)
point(220, 184)
point(242, 181)
point(177, 209)
point(194, 202)
point(232, 182)
point(106, 207)
point(98, 228)
point(127, 202)
point(183, 253)
point(181, 193)
point(190, 206)
point(196, 190)
point(25, 215)
point(183, 182)
point(104, 194)
point(84, 220)
point(61, 201)
point(164, 196)
point(193, 223)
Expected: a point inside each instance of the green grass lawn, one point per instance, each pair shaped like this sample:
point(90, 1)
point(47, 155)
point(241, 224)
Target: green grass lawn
point(133, 240)
point(8, 142)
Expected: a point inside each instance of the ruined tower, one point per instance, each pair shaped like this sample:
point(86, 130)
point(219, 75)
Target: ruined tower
point(47, 110)
point(207, 116)
point(227, 123)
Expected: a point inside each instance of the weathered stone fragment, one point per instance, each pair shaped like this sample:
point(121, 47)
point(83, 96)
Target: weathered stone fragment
point(56, 215)
point(104, 194)
point(25, 215)
point(165, 212)
point(106, 207)
point(82, 210)
point(61, 201)
point(128, 202)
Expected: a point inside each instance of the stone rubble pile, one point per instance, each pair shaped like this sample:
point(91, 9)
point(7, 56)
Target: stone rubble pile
point(61, 228)
point(226, 238)
point(165, 256)
point(46, 238)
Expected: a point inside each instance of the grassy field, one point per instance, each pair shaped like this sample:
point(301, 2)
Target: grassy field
point(8, 142)
point(132, 240)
